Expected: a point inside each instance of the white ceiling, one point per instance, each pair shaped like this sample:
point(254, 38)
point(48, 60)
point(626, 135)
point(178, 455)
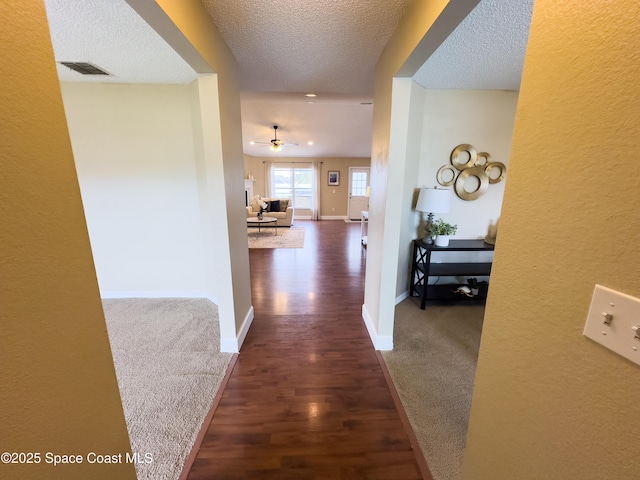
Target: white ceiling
point(338, 125)
point(286, 48)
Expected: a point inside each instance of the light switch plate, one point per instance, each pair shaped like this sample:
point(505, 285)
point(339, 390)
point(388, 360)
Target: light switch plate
point(623, 313)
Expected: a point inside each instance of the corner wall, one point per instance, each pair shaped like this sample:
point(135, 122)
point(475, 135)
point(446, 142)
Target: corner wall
point(548, 402)
point(450, 118)
point(58, 385)
point(421, 30)
point(188, 28)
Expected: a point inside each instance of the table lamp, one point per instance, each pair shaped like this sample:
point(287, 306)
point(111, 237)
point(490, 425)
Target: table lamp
point(432, 200)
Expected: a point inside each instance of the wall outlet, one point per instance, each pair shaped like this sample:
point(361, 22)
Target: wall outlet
point(614, 322)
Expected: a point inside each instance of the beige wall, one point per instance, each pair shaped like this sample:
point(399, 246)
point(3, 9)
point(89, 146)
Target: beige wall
point(254, 167)
point(58, 386)
point(332, 203)
point(548, 402)
point(334, 200)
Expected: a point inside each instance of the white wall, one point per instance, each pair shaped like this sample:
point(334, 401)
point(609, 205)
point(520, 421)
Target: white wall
point(421, 30)
point(134, 153)
point(482, 118)
point(414, 117)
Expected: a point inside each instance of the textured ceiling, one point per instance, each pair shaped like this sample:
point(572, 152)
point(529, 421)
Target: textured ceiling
point(485, 52)
point(111, 35)
point(318, 46)
point(286, 48)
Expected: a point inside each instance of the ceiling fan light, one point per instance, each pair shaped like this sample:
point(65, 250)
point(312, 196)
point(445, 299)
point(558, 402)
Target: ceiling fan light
point(275, 148)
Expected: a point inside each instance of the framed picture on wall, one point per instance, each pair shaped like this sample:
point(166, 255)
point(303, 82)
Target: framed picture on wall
point(334, 178)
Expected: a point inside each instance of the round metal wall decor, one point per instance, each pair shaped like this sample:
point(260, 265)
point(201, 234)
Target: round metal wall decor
point(483, 183)
point(479, 165)
point(440, 175)
point(455, 156)
point(486, 157)
point(491, 166)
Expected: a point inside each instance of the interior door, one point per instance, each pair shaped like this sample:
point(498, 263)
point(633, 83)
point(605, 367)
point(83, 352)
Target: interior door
point(358, 183)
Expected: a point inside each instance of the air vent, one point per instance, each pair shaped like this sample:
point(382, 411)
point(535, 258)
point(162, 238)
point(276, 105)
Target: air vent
point(84, 68)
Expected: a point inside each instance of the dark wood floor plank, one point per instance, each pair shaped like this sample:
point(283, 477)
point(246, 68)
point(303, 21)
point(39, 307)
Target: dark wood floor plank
point(307, 398)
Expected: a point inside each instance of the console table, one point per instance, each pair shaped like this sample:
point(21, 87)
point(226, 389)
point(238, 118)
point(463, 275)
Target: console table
point(364, 227)
point(422, 268)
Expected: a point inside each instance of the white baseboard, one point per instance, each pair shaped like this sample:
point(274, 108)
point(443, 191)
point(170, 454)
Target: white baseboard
point(248, 320)
point(369, 325)
point(333, 217)
point(380, 342)
point(402, 296)
point(231, 344)
point(158, 294)
point(385, 343)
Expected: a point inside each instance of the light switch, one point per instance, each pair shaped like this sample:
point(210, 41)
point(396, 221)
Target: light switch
point(613, 322)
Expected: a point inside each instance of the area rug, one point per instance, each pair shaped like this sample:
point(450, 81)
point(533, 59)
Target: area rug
point(433, 366)
point(169, 367)
point(287, 237)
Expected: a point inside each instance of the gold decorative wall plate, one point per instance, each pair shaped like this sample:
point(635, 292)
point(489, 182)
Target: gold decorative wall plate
point(491, 166)
point(473, 164)
point(483, 183)
point(440, 175)
point(455, 156)
point(486, 157)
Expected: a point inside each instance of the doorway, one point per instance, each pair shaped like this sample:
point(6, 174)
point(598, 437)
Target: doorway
point(358, 199)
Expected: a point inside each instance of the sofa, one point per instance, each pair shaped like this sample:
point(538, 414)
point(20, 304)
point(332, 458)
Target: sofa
point(279, 208)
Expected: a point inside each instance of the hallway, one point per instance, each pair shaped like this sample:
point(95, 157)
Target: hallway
point(307, 398)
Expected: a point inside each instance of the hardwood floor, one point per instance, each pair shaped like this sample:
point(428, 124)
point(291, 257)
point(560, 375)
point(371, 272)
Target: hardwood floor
point(307, 398)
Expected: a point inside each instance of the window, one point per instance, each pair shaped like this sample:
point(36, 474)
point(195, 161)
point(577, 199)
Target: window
point(359, 184)
point(295, 183)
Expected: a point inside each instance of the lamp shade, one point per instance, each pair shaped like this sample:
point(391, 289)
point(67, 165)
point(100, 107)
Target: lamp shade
point(433, 200)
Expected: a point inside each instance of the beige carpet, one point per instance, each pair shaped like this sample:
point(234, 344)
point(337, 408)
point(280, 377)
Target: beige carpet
point(287, 237)
point(169, 367)
point(433, 366)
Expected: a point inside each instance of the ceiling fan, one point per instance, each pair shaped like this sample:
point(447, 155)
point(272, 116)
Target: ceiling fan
point(276, 144)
